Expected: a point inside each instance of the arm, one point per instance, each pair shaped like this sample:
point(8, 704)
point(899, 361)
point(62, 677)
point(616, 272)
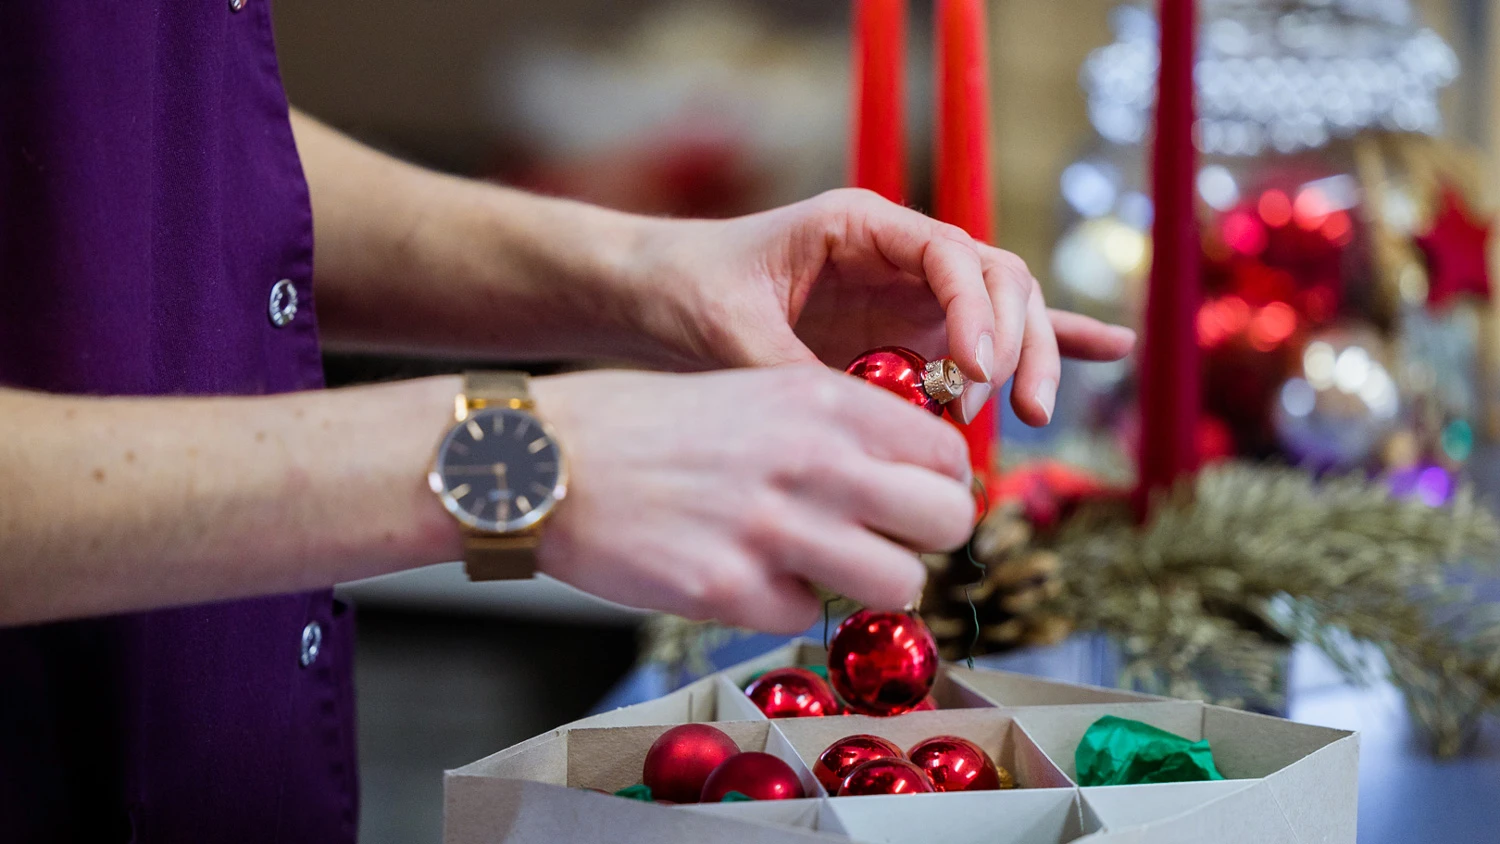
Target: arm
point(412, 259)
point(109, 505)
point(711, 496)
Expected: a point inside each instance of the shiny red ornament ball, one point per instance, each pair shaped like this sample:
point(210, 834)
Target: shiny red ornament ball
point(885, 776)
point(928, 385)
point(882, 663)
point(792, 693)
point(841, 757)
point(759, 776)
point(955, 764)
point(681, 759)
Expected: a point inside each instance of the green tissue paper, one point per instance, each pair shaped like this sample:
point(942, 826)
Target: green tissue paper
point(1119, 751)
point(639, 791)
point(737, 797)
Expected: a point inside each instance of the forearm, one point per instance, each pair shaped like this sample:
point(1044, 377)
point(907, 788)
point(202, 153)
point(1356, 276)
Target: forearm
point(408, 258)
point(109, 505)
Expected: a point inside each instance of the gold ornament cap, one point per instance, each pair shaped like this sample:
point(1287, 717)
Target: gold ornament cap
point(942, 380)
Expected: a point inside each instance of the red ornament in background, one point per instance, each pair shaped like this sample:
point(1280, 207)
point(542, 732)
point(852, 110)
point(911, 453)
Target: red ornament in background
point(928, 385)
point(792, 693)
point(759, 776)
point(955, 764)
point(1457, 252)
point(681, 759)
point(885, 776)
point(840, 758)
point(882, 663)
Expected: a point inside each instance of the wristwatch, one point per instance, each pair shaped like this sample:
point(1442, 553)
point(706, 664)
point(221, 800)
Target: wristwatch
point(501, 473)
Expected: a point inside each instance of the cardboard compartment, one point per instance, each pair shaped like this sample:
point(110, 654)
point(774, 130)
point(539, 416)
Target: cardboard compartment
point(1289, 783)
point(1245, 746)
point(1049, 816)
point(992, 729)
point(1003, 688)
point(610, 759)
point(1121, 806)
point(813, 815)
point(804, 652)
point(495, 810)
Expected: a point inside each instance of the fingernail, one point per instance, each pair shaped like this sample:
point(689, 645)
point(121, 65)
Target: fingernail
point(985, 351)
point(973, 400)
point(1046, 396)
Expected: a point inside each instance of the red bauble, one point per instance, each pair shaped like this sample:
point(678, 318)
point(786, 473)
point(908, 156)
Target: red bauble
point(841, 757)
point(759, 776)
point(680, 761)
point(882, 663)
point(928, 385)
point(885, 776)
point(792, 693)
point(956, 764)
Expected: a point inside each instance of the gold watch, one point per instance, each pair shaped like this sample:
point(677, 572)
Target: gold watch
point(501, 473)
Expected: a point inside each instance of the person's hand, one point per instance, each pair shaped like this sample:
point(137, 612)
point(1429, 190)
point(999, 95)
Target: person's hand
point(844, 272)
point(725, 495)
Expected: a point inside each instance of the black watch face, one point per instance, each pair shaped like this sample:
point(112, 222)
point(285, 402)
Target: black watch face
point(499, 470)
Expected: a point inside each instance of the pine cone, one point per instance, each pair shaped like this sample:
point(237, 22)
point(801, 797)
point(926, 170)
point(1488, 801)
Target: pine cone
point(1008, 595)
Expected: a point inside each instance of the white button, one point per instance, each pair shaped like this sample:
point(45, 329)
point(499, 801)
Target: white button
point(283, 305)
point(312, 642)
point(236, 5)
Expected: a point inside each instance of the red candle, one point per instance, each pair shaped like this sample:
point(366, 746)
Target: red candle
point(1169, 368)
point(962, 181)
point(878, 161)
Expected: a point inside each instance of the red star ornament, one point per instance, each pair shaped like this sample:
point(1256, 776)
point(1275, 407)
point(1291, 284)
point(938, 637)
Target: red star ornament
point(1457, 252)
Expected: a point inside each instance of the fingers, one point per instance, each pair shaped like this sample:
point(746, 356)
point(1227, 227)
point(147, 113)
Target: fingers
point(888, 429)
point(773, 602)
point(945, 255)
point(1087, 338)
point(1034, 391)
point(853, 562)
point(922, 510)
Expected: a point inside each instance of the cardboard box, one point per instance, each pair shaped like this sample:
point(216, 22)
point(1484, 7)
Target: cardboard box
point(1286, 782)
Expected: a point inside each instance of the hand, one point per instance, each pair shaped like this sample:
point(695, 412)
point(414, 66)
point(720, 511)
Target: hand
point(725, 495)
point(844, 272)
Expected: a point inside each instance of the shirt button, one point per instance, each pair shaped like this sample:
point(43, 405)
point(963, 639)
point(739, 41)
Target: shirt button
point(312, 642)
point(236, 5)
point(283, 306)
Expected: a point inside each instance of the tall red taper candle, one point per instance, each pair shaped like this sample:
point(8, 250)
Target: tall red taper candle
point(878, 160)
point(962, 181)
point(1169, 369)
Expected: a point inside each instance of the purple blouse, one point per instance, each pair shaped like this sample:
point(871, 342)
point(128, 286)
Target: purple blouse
point(156, 239)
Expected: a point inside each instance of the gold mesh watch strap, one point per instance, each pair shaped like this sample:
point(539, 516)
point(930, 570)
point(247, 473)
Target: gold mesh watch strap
point(500, 557)
point(482, 389)
point(488, 557)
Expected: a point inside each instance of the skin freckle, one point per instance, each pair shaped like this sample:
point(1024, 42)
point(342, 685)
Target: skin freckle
point(70, 413)
point(99, 475)
point(260, 436)
point(129, 457)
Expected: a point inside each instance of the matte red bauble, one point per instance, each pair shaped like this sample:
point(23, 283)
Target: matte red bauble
point(759, 776)
point(882, 663)
point(841, 757)
point(956, 764)
point(928, 385)
point(792, 693)
point(885, 776)
point(680, 761)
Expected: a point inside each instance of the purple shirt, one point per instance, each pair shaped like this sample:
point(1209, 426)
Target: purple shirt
point(151, 198)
